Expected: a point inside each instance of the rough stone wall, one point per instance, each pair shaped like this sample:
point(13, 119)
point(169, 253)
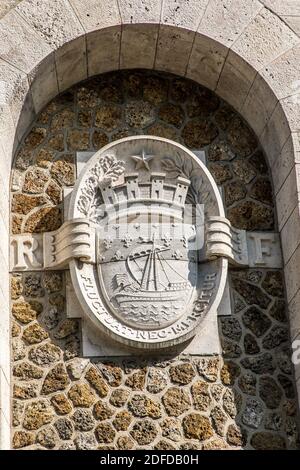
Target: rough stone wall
point(245, 399)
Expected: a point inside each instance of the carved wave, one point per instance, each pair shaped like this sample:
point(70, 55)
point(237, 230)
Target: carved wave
point(150, 314)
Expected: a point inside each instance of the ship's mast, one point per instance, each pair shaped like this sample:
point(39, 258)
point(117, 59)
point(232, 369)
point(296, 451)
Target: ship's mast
point(146, 274)
point(151, 269)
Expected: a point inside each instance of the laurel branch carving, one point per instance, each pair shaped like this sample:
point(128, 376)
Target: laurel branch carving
point(107, 170)
point(199, 192)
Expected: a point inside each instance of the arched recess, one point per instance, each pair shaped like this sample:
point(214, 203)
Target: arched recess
point(241, 50)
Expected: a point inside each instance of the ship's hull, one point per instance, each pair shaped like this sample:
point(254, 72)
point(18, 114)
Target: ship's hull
point(151, 308)
point(149, 296)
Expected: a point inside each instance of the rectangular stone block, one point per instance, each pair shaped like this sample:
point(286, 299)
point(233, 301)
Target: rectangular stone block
point(207, 341)
point(296, 359)
point(183, 14)
point(147, 11)
point(235, 81)
point(138, 46)
point(283, 73)
point(259, 105)
point(71, 63)
point(275, 134)
point(4, 179)
point(206, 61)
point(288, 197)
point(285, 161)
point(95, 14)
point(293, 315)
point(4, 369)
point(43, 83)
point(6, 5)
point(5, 298)
point(4, 347)
point(9, 143)
point(291, 108)
point(55, 21)
point(21, 46)
point(173, 50)
point(292, 275)
point(13, 90)
point(259, 45)
point(4, 272)
point(286, 7)
point(6, 120)
point(293, 22)
point(290, 234)
point(94, 344)
point(224, 20)
point(5, 198)
point(298, 392)
point(201, 155)
point(67, 193)
point(225, 306)
point(81, 159)
point(4, 206)
point(5, 429)
point(4, 190)
point(103, 51)
point(5, 410)
point(73, 307)
point(26, 116)
point(297, 376)
point(5, 342)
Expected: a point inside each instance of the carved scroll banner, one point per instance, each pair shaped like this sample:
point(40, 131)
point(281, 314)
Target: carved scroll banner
point(241, 248)
point(75, 239)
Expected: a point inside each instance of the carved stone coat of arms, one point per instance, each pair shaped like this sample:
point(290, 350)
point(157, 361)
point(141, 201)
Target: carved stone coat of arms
point(150, 282)
point(147, 243)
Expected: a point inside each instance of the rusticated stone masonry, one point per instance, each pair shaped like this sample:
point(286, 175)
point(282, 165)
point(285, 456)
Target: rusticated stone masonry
point(244, 399)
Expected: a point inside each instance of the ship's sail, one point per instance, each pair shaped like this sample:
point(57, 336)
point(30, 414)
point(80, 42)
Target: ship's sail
point(154, 273)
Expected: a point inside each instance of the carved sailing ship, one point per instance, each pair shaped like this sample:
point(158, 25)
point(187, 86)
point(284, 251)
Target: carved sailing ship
point(155, 284)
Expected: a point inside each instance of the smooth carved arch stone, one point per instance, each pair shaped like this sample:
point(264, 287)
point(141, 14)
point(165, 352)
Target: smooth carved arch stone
point(148, 289)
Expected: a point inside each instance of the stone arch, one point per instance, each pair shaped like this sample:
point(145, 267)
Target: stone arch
point(248, 55)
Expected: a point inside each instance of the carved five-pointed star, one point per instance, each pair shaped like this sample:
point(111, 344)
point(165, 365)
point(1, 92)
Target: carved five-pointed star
point(142, 161)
